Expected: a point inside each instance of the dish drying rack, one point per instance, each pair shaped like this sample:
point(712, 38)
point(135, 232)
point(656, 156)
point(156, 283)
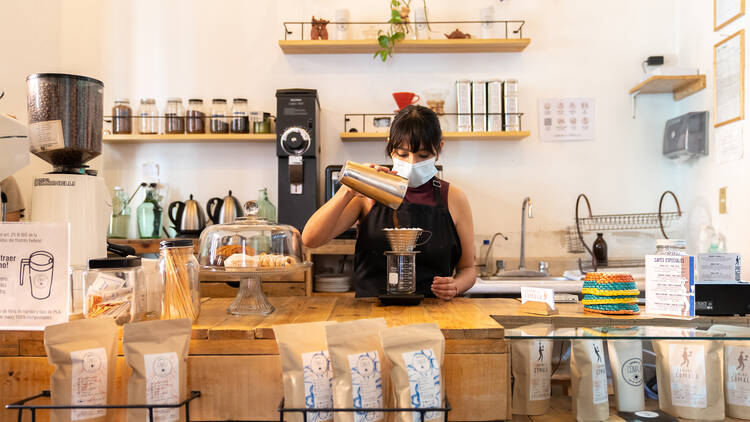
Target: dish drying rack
point(620, 222)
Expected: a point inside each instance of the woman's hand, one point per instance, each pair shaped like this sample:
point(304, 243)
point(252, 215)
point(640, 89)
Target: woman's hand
point(444, 287)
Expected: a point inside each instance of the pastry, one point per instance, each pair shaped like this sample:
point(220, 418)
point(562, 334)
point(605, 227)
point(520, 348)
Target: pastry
point(224, 252)
point(240, 260)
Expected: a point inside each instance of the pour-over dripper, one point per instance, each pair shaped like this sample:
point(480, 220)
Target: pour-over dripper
point(405, 240)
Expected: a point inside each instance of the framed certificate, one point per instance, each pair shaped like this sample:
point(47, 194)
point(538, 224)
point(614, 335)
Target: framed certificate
point(727, 11)
point(729, 79)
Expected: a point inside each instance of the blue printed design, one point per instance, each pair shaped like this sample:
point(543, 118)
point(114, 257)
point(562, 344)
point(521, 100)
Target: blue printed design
point(367, 386)
point(423, 369)
point(318, 384)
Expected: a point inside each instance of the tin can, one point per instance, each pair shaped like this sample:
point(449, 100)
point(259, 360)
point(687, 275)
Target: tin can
point(495, 105)
point(510, 87)
point(388, 189)
point(479, 106)
point(463, 105)
point(511, 121)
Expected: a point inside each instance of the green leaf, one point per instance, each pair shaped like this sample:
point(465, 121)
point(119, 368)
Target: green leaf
point(383, 55)
point(383, 41)
point(395, 3)
point(398, 36)
point(395, 15)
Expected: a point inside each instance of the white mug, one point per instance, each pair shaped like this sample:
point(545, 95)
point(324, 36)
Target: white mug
point(342, 25)
point(40, 266)
point(487, 15)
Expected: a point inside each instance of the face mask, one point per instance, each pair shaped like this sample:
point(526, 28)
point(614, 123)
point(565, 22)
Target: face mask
point(417, 173)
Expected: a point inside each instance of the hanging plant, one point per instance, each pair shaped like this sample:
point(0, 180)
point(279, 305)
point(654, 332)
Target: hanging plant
point(399, 27)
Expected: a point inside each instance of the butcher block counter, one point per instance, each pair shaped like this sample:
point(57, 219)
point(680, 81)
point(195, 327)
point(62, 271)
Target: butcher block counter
point(234, 361)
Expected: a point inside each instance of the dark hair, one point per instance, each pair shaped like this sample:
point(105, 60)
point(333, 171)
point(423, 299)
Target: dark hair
point(415, 128)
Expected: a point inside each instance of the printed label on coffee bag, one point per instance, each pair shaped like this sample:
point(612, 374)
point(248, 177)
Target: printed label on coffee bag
point(738, 381)
point(540, 367)
point(424, 381)
point(45, 136)
point(598, 373)
point(318, 381)
point(89, 377)
point(367, 387)
point(163, 384)
point(687, 367)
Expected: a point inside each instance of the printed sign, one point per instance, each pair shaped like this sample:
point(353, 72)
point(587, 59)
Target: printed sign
point(566, 119)
point(537, 294)
point(34, 282)
point(670, 285)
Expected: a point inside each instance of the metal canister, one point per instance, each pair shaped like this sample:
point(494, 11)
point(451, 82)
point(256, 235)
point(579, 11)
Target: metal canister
point(479, 106)
point(495, 105)
point(463, 105)
point(388, 189)
point(511, 120)
point(510, 87)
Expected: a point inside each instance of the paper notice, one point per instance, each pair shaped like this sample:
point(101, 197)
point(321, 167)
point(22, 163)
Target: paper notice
point(728, 79)
point(729, 143)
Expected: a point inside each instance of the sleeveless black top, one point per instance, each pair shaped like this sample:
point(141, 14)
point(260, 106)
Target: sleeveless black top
point(437, 257)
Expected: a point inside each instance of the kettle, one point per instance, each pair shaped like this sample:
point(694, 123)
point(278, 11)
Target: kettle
point(226, 210)
point(188, 219)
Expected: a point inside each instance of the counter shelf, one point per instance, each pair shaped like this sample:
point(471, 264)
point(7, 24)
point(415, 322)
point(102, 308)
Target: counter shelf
point(422, 412)
point(22, 405)
point(250, 298)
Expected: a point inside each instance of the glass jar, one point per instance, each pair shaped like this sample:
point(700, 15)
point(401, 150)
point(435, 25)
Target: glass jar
point(266, 209)
point(148, 116)
point(149, 215)
point(174, 116)
point(195, 117)
point(219, 116)
point(240, 120)
point(674, 247)
point(115, 287)
point(180, 280)
point(122, 117)
point(119, 221)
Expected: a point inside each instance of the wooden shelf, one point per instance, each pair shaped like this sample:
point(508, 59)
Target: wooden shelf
point(448, 136)
point(189, 138)
point(144, 246)
point(471, 45)
point(679, 86)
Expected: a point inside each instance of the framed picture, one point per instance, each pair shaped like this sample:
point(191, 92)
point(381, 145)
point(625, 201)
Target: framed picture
point(729, 79)
point(727, 11)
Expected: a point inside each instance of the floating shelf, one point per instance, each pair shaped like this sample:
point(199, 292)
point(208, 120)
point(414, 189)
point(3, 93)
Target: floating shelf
point(500, 45)
point(448, 136)
point(189, 138)
point(679, 86)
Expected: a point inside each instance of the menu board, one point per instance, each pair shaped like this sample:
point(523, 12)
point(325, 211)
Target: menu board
point(34, 283)
point(670, 285)
point(566, 119)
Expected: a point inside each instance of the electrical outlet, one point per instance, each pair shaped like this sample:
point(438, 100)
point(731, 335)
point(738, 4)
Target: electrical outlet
point(723, 200)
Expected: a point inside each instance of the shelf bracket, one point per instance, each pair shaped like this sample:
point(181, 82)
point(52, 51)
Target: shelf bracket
point(633, 97)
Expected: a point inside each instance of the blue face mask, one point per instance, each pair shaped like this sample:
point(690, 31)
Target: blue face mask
point(417, 173)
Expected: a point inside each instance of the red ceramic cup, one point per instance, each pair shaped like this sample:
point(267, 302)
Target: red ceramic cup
point(404, 99)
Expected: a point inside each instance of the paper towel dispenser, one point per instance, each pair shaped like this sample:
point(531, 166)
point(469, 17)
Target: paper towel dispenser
point(686, 136)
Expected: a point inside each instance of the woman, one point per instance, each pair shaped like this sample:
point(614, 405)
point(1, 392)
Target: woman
point(445, 264)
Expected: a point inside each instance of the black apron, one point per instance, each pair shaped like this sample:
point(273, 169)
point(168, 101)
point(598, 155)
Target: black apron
point(437, 257)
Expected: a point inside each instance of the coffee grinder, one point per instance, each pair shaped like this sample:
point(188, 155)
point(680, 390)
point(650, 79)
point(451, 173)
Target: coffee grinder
point(401, 266)
point(297, 146)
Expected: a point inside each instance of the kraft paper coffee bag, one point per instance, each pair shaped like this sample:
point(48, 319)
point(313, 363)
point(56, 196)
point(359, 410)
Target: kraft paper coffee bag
point(588, 374)
point(736, 371)
point(689, 374)
point(306, 369)
point(157, 352)
point(532, 370)
point(416, 355)
point(83, 354)
point(360, 369)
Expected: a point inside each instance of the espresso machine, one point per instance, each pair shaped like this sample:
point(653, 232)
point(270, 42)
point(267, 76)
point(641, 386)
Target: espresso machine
point(297, 147)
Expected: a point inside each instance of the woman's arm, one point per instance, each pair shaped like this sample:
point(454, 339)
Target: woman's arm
point(330, 220)
point(448, 287)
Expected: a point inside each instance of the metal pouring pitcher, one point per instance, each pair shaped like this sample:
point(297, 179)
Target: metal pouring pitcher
point(388, 189)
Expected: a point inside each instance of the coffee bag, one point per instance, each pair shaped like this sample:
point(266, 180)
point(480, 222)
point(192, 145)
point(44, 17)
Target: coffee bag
point(83, 354)
point(588, 372)
point(415, 353)
point(360, 378)
point(157, 352)
point(736, 371)
point(306, 369)
point(532, 369)
point(689, 377)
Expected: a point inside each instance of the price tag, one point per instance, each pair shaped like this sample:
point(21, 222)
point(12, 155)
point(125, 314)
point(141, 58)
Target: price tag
point(537, 294)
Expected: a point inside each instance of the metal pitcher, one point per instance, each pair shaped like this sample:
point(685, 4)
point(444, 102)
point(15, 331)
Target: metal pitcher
point(226, 210)
point(388, 189)
point(188, 217)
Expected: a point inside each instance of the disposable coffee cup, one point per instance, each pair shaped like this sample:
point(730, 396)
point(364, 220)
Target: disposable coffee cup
point(626, 361)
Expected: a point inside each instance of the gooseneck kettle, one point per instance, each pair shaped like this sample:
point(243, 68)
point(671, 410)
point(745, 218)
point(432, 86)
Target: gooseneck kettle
point(188, 217)
point(226, 210)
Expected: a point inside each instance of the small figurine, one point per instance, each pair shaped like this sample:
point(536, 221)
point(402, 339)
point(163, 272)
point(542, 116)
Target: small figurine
point(319, 31)
point(403, 11)
point(457, 35)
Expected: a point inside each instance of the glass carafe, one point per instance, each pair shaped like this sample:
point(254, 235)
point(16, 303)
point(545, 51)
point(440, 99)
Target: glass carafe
point(266, 209)
point(402, 272)
point(149, 216)
point(119, 221)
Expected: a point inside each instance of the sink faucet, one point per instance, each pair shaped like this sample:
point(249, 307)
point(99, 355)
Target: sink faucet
point(526, 204)
point(486, 257)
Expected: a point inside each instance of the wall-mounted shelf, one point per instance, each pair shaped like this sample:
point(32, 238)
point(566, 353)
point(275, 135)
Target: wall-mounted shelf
point(499, 45)
point(448, 136)
point(679, 86)
point(189, 138)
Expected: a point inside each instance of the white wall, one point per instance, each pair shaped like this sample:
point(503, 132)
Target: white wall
point(707, 175)
point(228, 48)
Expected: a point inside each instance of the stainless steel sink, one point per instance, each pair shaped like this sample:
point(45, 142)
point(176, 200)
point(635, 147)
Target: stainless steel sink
point(492, 279)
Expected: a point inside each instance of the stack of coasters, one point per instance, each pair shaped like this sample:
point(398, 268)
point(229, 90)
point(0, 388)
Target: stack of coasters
point(610, 293)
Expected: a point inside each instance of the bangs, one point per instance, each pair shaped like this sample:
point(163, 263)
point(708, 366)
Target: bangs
point(415, 128)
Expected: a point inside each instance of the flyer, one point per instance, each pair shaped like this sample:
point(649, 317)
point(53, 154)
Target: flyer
point(34, 282)
point(670, 285)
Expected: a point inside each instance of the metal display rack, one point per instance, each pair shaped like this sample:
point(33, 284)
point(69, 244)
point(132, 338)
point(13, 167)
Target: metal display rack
point(22, 405)
point(422, 411)
point(348, 117)
point(512, 27)
point(621, 222)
